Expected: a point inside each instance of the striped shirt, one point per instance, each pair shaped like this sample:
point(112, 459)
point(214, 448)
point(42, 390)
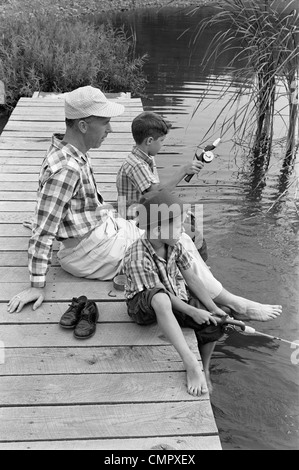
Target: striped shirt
point(145, 269)
point(136, 175)
point(68, 205)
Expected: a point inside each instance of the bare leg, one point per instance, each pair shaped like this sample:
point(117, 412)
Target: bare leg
point(196, 382)
point(206, 352)
point(245, 309)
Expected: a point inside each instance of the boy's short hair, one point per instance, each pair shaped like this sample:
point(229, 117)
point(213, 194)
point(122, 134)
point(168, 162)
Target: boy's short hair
point(149, 124)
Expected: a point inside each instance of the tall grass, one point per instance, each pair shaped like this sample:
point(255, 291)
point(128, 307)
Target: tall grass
point(43, 51)
point(263, 35)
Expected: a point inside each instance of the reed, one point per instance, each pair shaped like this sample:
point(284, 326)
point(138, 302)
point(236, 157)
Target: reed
point(44, 51)
point(263, 36)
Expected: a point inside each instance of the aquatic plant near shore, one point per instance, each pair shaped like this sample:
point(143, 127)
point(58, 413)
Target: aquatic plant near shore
point(263, 35)
point(41, 51)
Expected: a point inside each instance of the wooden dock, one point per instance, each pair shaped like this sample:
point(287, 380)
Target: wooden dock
point(124, 388)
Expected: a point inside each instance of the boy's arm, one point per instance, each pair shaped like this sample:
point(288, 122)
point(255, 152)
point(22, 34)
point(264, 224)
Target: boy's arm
point(171, 182)
point(198, 289)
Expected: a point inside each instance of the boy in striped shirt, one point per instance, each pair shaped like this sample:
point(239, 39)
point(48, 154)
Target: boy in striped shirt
point(138, 175)
point(162, 286)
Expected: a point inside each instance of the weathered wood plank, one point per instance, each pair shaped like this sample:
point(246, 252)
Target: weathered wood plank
point(106, 421)
point(89, 389)
point(19, 243)
point(35, 169)
point(56, 126)
point(92, 360)
point(117, 334)
point(43, 144)
point(179, 443)
point(62, 291)
point(30, 186)
point(15, 177)
point(99, 162)
point(52, 312)
point(116, 138)
point(21, 195)
point(15, 258)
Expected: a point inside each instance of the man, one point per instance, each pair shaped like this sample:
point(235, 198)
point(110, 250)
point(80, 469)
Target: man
point(69, 208)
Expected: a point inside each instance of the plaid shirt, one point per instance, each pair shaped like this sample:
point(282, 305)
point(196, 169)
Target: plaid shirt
point(68, 205)
point(136, 175)
point(145, 269)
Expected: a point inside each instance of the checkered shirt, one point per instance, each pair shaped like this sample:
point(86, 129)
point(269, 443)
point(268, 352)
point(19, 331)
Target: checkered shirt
point(68, 205)
point(136, 175)
point(145, 269)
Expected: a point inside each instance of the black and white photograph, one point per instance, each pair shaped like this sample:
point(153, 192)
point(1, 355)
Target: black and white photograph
point(149, 227)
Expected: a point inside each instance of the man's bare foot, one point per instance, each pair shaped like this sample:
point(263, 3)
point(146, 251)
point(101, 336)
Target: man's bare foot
point(249, 310)
point(196, 381)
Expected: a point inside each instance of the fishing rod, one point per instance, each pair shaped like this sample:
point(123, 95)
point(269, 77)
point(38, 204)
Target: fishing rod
point(251, 331)
point(206, 156)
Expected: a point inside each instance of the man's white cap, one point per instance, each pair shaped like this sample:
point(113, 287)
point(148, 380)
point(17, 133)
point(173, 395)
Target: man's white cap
point(89, 101)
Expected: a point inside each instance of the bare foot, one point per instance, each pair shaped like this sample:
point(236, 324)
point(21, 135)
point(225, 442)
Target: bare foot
point(249, 310)
point(196, 381)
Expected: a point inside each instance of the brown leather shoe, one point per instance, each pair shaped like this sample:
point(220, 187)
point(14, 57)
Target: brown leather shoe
point(87, 325)
point(71, 317)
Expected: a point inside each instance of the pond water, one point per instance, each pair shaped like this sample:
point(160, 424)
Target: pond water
point(252, 250)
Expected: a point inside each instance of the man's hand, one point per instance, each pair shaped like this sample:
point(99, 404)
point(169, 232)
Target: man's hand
point(194, 167)
point(31, 294)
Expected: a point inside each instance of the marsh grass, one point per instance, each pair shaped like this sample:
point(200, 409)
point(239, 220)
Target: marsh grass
point(263, 36)
point(43, 51)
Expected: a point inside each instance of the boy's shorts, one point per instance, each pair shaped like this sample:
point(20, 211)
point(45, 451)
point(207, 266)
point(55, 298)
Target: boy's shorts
point(141, 311)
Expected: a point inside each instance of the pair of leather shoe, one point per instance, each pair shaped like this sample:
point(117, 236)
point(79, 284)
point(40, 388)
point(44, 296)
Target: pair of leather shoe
point(82, 315)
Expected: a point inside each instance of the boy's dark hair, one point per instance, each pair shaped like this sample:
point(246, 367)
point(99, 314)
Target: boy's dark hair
point(149, 124)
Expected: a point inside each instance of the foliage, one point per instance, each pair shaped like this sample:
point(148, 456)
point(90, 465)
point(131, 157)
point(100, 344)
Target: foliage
point(43, 51)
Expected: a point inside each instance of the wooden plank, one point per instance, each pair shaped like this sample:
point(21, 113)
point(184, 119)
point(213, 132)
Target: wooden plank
point(40, 154)
point(14, 177)
point(50, 313)
point(56, 126)
point(106, 421)
point(30, 186)
point(14, 258)
point(124, 137)
point(13, 230)
point(92, 360)
point(18, 195)
point(179, 443)
point(45, 116)
point(62, 291)
point(120, 334)
point(36, 169)
point(19, 244)
point(59, 101)
point(43, 144)
point(17, 161)
point(88, 389)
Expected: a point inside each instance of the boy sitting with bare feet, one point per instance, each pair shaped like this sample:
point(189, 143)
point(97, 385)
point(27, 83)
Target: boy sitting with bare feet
point(156, 291)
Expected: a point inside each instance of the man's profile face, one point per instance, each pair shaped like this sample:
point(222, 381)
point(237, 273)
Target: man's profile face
point(97, 130)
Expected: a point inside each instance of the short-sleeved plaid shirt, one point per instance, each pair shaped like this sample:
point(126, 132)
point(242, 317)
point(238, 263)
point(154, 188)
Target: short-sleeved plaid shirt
point(68, 205)
point(145, 269)
point(136, 175)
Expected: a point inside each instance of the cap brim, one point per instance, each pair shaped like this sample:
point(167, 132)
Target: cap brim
point(111, 109)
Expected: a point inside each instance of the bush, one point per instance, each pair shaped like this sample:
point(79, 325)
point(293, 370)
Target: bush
point(41, 51)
